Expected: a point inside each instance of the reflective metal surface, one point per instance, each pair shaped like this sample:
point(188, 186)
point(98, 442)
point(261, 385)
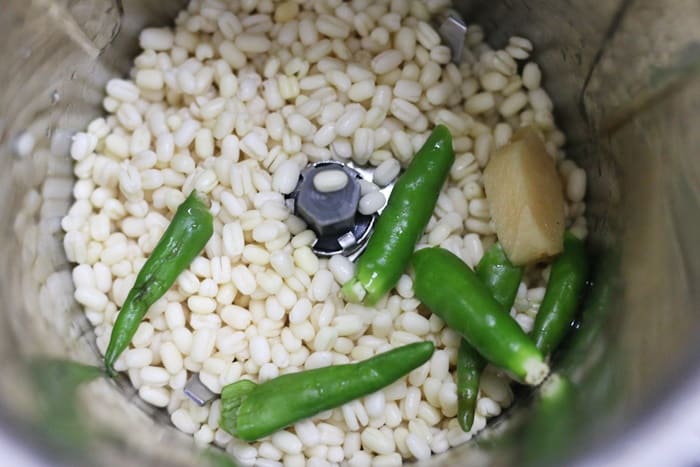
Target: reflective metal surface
point(340, 228)
point(624, 75)
point(453, 31)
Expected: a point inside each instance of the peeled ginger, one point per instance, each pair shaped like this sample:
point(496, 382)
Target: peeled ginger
point(526, 199)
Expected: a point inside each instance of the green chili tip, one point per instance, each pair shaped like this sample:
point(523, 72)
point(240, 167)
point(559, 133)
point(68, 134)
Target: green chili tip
point(469, 367)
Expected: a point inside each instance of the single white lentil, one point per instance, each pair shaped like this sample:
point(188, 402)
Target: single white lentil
point(576, 185)
point(328, 181)
point(371, 202)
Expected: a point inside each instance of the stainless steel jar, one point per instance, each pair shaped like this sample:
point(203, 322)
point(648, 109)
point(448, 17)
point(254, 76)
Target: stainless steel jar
point(625, 76)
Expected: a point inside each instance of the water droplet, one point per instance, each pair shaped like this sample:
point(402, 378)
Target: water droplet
point(55, 97)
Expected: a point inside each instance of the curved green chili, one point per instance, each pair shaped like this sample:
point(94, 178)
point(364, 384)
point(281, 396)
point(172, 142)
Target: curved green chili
point(471, 311)
point(502, 279)
point(185, 237)
point(560, 302)
point(251, 411)
point(403, 220)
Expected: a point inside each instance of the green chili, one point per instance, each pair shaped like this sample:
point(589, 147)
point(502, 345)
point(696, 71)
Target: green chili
point(552, 423)
point(251, 411)
point(403, 220)
point(446, 285)
point(500, 276)
point(469, 367)
point(502, 279)
point(56, 384)
point(185, 237)
point(560, 302)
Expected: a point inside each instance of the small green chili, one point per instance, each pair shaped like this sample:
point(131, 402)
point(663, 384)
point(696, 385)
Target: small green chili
point(251, 411)
point(403, 220)
point(471, 311)
point(184, 239)
point(560, 302)
point(502, 280)
point(469, 367)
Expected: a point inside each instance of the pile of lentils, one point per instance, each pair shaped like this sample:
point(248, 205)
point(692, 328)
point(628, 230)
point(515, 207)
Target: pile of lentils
point(234, 101)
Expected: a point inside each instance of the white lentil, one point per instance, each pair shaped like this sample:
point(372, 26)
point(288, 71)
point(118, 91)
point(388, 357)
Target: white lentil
point(405, 111)
point(576, 185)
point(122, 90)
point(90, 297)
point(156, 396)
point(254, 145)
point(154, 376)
point(532, 76)
point(328, 181)
point(525, 322)
point(183, 421)
point(409, 403)
point(387, 460)
point(415, 324)
point(427, 36)
point(375, 441)
point(138, 358)
point(201, 304)
point(305, 259)
point(243, 279)
point(203, 341)
point(361, 91)
point(439, 93)
point(513, 104)
point(182, 338)
point(318, 360)
point(387, 61)
point(417, 446)
point(371, 202)
point(330, 435)
point(341, 268)
point(375, 404)
point(349, 122)
point(286, 177)
point(408, 90)
point(171, 357)
point(386, 172)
